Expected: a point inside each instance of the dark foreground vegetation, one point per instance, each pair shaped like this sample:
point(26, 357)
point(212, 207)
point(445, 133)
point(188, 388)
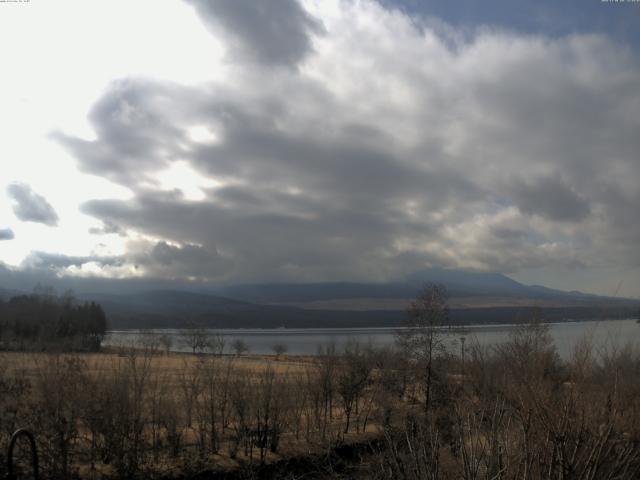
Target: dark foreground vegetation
point(512, 411)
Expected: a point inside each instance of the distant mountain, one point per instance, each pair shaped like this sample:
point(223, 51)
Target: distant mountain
point(465, 283)
point(275, 293)
point(475, 298)
point(6, 294)
point(178, 309)
point(459, 284)
point(164, 301)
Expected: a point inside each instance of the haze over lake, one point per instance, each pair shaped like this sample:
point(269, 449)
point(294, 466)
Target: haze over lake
point(606, 335)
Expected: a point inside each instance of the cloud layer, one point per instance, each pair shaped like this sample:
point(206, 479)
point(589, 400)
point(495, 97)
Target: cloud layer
point(392, 145)
point(29, 206)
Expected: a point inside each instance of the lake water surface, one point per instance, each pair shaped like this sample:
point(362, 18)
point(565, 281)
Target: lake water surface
point(605, 334)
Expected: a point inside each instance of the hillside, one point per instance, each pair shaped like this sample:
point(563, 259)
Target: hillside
point(466, 289)
point(474, 298)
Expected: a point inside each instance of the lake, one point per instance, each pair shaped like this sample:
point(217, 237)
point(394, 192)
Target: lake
point(604, 333)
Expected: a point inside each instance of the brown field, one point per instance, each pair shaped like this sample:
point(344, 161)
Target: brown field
point(169, 365)
point(172, 396)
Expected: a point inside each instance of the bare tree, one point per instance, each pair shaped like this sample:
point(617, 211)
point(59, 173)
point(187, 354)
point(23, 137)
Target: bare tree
point(353, 376)
point(421, 337)
point(196, 338)
point(213, 403)
point(299, 403)
point(149, 341)
point(240, 397)
point(268, 412)
point(530, 353)
point(240, 347)
point(166, 342)
point(59, 386)
point(217, 344)
point(279, 349)
point(324, 385)
point(190, 385)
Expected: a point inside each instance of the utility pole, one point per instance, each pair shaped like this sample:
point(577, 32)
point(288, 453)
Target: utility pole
point(462, 340)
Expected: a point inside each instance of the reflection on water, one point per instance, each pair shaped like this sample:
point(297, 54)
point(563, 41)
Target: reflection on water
point(605, 334)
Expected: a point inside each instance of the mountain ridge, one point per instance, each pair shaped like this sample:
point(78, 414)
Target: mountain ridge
point(475, 297)
point(458, 283)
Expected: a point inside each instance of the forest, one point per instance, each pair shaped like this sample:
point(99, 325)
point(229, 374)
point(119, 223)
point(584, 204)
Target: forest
point(44, 321)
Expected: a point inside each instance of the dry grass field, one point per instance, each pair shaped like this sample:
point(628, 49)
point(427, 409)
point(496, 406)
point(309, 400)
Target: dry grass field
point(212, 412)
point(169, 363)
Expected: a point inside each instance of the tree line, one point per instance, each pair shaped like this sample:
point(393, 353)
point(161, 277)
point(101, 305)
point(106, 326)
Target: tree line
point(43, 320)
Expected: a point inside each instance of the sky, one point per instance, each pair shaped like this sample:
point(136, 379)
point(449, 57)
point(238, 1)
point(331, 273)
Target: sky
point(236, 141)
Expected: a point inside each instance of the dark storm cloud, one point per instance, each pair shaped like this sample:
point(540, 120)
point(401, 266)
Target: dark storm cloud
point(550, 198)
point(503, 153)
point(44, 260)
point(257, 239)
point(293, 201)
point(276, 33)
point(159, 260)
point(30, 206)
point(178, 261)
point(347, 164)
point(26, 278)
point(7, 234)
point(619, 237)
point(345, 169)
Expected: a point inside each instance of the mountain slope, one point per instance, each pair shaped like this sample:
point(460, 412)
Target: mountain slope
point(459, 284)
point(475, 298)
point(174, 309)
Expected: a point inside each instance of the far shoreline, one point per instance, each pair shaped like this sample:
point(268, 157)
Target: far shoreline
point(269, 330)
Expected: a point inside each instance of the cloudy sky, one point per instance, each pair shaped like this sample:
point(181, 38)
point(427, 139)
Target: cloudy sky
point(240, 140)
